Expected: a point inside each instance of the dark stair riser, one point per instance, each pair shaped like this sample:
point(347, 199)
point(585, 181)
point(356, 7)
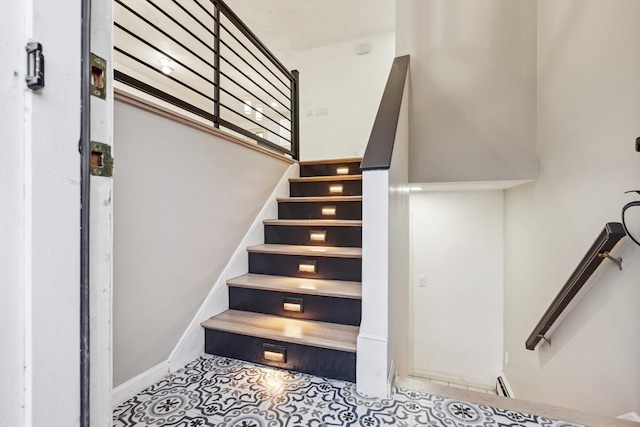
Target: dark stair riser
point(287, 265)
point(345, 311)
point(349, 188)
point(329, 169)
point(313, 210)
point(301, 235)
point(317, 361)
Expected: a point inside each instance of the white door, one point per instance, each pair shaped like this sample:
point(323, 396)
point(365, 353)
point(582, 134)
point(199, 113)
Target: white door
point(40, 220)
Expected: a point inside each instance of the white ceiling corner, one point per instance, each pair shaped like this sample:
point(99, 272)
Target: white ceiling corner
point(287, 26)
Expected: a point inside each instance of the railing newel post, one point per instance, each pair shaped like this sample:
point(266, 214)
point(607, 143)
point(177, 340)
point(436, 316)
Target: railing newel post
point(295, 114)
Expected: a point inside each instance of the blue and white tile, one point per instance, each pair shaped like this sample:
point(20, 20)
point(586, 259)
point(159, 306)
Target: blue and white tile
point(222, 392)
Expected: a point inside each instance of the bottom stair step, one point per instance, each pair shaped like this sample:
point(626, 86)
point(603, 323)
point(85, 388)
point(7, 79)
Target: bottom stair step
point(318, 348)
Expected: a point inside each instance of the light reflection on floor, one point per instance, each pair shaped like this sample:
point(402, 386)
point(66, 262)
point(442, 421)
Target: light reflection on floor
point(217, 391)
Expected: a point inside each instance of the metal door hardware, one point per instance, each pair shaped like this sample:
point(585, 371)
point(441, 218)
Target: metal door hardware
point(101, 160)
point(35, 66)
point(98, 76)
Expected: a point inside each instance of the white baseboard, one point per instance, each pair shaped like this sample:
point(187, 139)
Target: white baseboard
point(630, 416)
point(470, 382)
point(135, 385)
point(372, 374)
point(191, 343)
point(391, 376)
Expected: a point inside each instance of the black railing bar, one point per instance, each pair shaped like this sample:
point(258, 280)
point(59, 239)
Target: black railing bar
point(205, 10)
point(140, 61)
point(244, 116)
point(254, 55)
point(254, 95)
point(164, 33)
point(216, 68)
point(132, 34)
point(604, 243)
point(177, 3)
point(251, 36)
point(251, 80)
point(251, 106)
point(151, 90)
point(157, 93)
point(252, 135)
point(175, 21)
point(252, 67)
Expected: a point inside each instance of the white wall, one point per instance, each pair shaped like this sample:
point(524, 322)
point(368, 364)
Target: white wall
point(588, 118)
point(39, 217)
point(349, 87)
point(457, 245)
point(184, 200)
point(383, 335)
point(473, 77)
point(399, 244)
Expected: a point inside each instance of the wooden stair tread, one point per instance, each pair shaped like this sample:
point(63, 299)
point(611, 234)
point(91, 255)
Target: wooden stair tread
point(315, 222)
point(310, 251)
point(297, 285)
point(331, 161)
point(329, 199)
point(304, 332)
point(323, 178)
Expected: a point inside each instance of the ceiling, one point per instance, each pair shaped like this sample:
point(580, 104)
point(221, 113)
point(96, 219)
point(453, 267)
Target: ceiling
point(287, 26)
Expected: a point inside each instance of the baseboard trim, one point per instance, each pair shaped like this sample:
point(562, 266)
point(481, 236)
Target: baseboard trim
point(190, 346)
point(372, 371)
point(452, 379)
point(135, 385)
point(630, 416)
point(391, 376)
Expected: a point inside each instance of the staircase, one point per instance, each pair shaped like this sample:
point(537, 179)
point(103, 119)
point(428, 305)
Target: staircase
point(299, 306)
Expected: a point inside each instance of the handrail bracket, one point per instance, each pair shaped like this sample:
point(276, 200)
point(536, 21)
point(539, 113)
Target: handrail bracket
point(545, 339)
point(616, 261)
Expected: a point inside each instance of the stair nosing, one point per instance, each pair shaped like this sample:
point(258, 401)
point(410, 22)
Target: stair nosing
point(333, 199)
point(263, 332)
point(308, 251)
point(322, 178)
point(245, 281)
point(314, 222)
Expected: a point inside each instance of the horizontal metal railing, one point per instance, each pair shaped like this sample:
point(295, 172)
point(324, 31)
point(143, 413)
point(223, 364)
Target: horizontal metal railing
point(199, 56)
point(599, 251)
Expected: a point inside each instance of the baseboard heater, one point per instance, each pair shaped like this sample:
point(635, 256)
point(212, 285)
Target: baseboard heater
point(503, 388)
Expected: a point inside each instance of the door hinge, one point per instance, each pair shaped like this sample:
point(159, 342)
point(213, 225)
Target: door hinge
point(35, 66)
point(101, 159)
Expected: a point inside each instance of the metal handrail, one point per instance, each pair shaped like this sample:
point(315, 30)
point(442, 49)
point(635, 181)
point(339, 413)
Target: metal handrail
point(383, 135)
point(252, 71)
point(597, 253)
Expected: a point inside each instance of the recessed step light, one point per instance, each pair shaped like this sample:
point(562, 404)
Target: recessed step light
point(335, 189)
point(343, 170)
point(318, 236)
point(329, 210)
point(307, 267)
point(274, 353)
point(293, 304)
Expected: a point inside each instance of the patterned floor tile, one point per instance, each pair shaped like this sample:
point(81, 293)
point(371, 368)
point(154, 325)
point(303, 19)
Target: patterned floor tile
point(220, 392)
